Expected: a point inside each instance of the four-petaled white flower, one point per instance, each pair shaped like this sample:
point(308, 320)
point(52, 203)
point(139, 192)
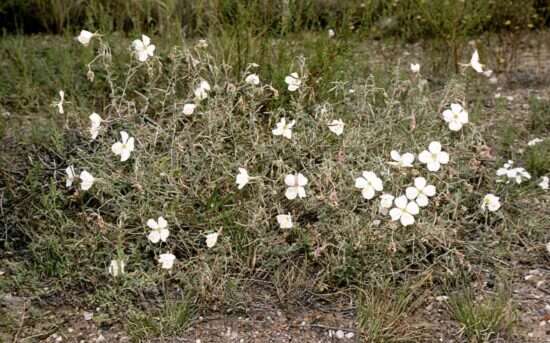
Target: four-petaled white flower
point(415, 67)
point(386, 202)
point(518, 174)
point(85, 37)
point(490, 202)
point(201, 92)
point(285, 221)
point(188, 109)
point(336, 126)
point(242, 178)
point(535, 141)
point(474, 62)
point(295, 184)
point(60, 103)
point(293, 81)
point(252, 79)
point(369, 184)
point(166, 260)
point(71, 175)
point(434, 157)
point(95, 120)
point(544, 183)
point(212, 239)
point(159, 230)
point(456, 117)
point(125, 147)
point(404, 211)
point(406, 160)
point(116, 267)
point(86, 180)
point(143, 48)
point(420, 192)
point(282, 128)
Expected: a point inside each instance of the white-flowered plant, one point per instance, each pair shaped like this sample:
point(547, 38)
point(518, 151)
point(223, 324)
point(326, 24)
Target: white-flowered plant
point(434, 157)
point(252, 79)
point(535, 141)
point(420, 192)
point(143, 48)
point(331, 33)
point(166, 260)
point(518, 174)
point(369, 184)
point(202, 90)
point(242, 178)
point(405, 161)
point(282, 128)
point(59, 105)
point(86, 180)
point(544, 183)
point(386, 202)
point(455, 117)
point(490, 202)
point(404, 211)
point(295, 186)
point(293, 81)
point(159, 230)
point(95, 124)
point(125, 147)
point(85, 37)
point(71, 176)
point(285, 221)
point(116, 267)
point(212, 239)
point(336, 126)
point(189, 109)
point(474, 62)
point(415, 67)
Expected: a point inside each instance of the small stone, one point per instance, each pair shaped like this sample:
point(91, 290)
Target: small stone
point(88, 315)
point(340, 334)
point(350, 335)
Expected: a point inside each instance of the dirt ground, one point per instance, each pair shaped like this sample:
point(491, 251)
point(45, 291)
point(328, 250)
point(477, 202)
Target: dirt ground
point(34, 321)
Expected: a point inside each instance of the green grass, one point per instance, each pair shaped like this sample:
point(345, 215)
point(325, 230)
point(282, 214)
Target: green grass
point(184, 169)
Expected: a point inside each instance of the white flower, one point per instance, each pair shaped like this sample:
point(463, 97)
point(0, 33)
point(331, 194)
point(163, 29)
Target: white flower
point(420, 192)
point(70, 176)
point(535, 141)
point(159, 230)
point(86, 180)
point(293, 81)
point(188, 109)
point(201, 92)
point(282, 128)
point(212, 239)
point(85, 37)
point(369, 184)
point(95, 125)
point(406, 160)
point(415, 67)
point(125, 147)
point(404, 211)
point(386, 202)
point(518, 174)
point(490, 202)
point(474, 62)
point(116, 267)
point(252, 79)
point(295, 184)
point(331, 33)
point(285, 221)
point(544, 183)
point(242, 178)
point(434, 157)
point(336, 126)
point(202, 44)
point(456, 117)
point(143, 48)
point(61, 101)
point(166, 260)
